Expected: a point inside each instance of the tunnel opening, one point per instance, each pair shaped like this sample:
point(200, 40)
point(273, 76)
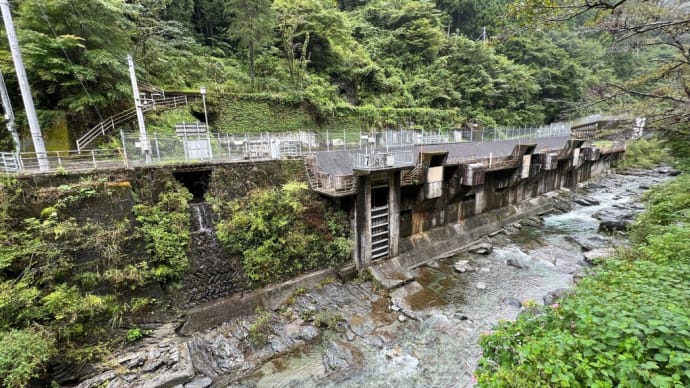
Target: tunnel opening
point(195, 181)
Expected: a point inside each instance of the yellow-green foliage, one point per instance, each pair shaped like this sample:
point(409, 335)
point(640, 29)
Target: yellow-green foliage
point(283, 232)
point(644, 153)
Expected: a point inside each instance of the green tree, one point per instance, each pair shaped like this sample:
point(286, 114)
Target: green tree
point(211, 21)
point(251, 24)
point(74, 52)
point(556, 69)
point(656, 30)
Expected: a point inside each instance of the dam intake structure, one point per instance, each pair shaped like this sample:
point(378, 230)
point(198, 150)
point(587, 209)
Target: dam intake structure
point(399, 197)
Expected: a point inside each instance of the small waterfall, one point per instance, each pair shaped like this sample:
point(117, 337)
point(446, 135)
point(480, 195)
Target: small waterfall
point(211, 274)
point(202, 217)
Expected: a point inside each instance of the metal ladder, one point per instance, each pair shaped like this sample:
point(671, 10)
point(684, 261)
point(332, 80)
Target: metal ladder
point(379, 232)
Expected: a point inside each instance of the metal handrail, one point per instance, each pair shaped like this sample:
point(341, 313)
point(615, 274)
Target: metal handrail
point(126, 116)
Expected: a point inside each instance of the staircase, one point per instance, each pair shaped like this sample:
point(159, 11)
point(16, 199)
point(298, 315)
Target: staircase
point(129, 115)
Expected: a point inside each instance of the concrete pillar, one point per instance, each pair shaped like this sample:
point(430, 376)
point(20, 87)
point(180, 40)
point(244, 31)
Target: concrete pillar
point(479, 199)
point(393, 213)
point(363, 223)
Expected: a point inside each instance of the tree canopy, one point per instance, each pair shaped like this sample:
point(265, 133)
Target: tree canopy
point(542, 61)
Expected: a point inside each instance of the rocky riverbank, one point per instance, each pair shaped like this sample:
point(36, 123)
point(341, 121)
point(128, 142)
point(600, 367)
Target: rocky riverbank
point(424, 333)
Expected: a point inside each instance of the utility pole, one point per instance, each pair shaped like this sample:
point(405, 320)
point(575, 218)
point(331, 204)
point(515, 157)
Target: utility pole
point(9, 115)
point(24, 87)
point(484, 36)
point(143, 138)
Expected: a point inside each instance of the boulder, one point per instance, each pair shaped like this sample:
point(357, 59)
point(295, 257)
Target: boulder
point(517, 262)
point(594, 254)
point(480, 286)
point(586, 201)
point(199, 382)
point(555, 295)
point(483, 248)
point(463, 266)
point(616, 218)
point(340, 356)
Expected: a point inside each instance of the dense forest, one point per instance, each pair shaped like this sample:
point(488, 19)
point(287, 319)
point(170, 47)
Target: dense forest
point(438, 63)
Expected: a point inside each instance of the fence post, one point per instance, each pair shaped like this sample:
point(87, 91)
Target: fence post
point(158, 151)
point(210, 147)
point(93, 158)
point(124, 149)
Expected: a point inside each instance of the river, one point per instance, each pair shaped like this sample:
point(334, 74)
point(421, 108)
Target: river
point(429, 335)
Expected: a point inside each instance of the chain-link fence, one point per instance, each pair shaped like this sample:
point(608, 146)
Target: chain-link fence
point(185, 148)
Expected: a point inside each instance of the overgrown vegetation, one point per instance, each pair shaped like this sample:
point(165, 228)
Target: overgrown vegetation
point(165, 227)
point(68, 277)
point(282, 232)
point(314, 64)
point(626, 325)
point(645, 153)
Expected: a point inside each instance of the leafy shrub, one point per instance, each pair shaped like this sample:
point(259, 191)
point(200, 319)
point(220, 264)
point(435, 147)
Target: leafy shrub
point(283, 232)
point(327, 319)
point(23, 353)
point(134, 334)
point(260, 328)
point(645, 153)
point(165, 228)
point(627, 325)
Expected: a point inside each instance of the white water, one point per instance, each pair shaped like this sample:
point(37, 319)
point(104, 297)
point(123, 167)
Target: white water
point(202, 217)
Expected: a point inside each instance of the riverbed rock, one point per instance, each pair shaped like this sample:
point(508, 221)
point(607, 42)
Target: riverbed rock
point(517, 262)
point(584, 201)
point(615, 218)
point(480, 286)
point(482, 248)
point(594, 254)
point(340, 356)
point(510, 301)
point(463, 266)
point(667, 171)
point(199, 382)
point(555, 295)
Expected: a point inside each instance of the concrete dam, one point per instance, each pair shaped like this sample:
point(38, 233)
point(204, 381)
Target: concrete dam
point(439, 197)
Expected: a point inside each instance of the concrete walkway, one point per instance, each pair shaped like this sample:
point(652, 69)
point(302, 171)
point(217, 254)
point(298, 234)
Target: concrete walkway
point(340, 163)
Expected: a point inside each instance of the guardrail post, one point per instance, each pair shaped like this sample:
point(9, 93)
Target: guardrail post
point(93, 158)
point(124, 149)
point(59, 159)
point(210, 148)
point(155, 141)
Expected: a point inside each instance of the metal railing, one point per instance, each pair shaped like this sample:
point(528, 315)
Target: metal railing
point(127, 116)
point(380, 160)
point(395, 145)
point(63, 161)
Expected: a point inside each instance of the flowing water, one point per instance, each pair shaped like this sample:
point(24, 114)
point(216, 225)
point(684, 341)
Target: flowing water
point(440, 349)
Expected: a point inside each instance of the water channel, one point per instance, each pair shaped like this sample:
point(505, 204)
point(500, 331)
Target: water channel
point(436, 342)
